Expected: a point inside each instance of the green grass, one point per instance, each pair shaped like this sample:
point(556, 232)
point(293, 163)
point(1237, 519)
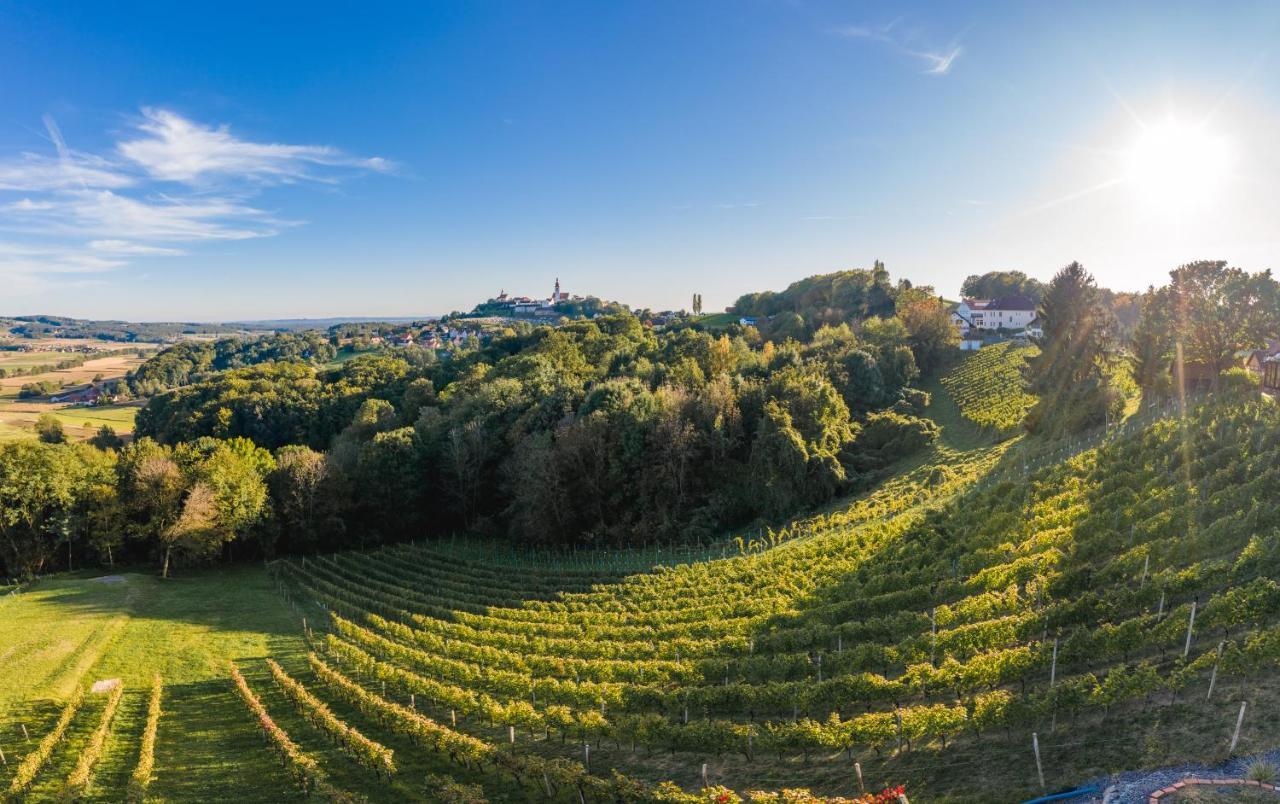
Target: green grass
point(10, 360)
point(119, 417)
point(717, 320)
point(64, 631)
point(61, 632)
point(9, 432)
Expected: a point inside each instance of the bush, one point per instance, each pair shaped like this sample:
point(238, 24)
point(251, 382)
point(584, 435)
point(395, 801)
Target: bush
point(1260, 770)
point(49, 429)
point(917, 399)
point(887, 436)
point(1240, 381)
point(36, 389)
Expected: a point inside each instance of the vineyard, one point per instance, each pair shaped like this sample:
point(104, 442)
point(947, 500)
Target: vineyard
point(1117, 602)
point(989, 387)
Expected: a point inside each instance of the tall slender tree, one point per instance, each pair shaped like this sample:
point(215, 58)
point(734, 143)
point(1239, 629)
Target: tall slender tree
point(1069, 373)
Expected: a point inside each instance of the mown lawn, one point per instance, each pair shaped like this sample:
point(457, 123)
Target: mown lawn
point(63, 631)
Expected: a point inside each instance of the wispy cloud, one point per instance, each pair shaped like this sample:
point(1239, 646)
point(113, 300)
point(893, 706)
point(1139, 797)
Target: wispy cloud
point(169, 180)
point(936, 61)
point(129, 247)
point(173, 148)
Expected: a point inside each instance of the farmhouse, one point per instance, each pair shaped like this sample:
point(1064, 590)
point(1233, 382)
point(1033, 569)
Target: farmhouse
point(965, 313)
point(976, 318)
point(1256, 360)
point(89, 395)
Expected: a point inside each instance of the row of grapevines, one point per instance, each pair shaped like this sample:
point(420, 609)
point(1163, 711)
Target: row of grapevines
point(78, 781)
point(366, 752)
point(304, 769)
point(989, 387)
point(34, 761)
point(140, 779)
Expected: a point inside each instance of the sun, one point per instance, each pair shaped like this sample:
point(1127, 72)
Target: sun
point(1175, 166)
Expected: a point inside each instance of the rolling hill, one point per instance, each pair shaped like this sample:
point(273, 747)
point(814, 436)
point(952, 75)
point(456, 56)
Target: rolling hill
point(1113, 596)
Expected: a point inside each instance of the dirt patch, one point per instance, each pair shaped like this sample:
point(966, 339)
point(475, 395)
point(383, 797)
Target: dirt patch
point(105, 685)
point(109, 579)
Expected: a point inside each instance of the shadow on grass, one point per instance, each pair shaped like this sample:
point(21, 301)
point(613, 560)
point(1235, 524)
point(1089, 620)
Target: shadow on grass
point(221, 598)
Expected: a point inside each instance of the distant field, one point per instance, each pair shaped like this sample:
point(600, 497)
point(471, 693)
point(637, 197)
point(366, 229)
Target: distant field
point(18, 416)
point(9, 432)
point(12, 360)
point(717, 319)
point(112, 365)
point(80, 422)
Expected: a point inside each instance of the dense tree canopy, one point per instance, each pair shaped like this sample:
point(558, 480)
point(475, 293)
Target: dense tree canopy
point(994, 284)
point(601, 432)
point(835, 298)
point(1212, 312)
point(192, 360)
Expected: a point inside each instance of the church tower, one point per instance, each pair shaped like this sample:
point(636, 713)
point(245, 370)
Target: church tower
point(555, 297)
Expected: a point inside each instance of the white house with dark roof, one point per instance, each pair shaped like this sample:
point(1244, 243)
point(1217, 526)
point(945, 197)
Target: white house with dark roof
point(968, 314)
point(1008, 312)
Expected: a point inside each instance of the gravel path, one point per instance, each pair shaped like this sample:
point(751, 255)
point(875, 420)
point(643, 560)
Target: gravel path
point(1133, 787)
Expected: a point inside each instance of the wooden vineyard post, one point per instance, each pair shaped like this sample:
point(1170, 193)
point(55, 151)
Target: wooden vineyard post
point(704, 775)
point(2, 759)
point(1146, 565)
point(1213, 676)
point(1035, 746)
point(511, 734)
point(25, 736)
point(857, 769)
point(1160, 611)
point(413, 702)
point(1235, 737)
point(453, 717)
point(1191, 623)
point(933, 632)
point(1053, 667)
point(586, 756)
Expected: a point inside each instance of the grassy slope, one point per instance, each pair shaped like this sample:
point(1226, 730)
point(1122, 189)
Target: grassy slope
point(70, 630)
point(1063, 514)
point(64, 630)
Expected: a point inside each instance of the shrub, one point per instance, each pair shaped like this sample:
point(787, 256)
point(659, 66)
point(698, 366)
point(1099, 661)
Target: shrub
point(1260, 770)
point(1239, 380)
point(887, 436)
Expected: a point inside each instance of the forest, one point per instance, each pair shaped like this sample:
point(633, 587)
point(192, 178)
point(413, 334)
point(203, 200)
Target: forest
point(599, 433)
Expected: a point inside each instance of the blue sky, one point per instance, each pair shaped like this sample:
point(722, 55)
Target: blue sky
point(170, 161)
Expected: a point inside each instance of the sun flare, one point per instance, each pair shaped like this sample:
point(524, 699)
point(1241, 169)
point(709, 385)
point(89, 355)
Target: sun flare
point(1174, 166)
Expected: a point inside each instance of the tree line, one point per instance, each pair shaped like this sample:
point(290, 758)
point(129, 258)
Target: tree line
point(601, 432)
point(1189, 335)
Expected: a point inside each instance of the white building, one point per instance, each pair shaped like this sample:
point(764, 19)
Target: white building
point(968, 314)
point(1008, 312)
point(1014, 313)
